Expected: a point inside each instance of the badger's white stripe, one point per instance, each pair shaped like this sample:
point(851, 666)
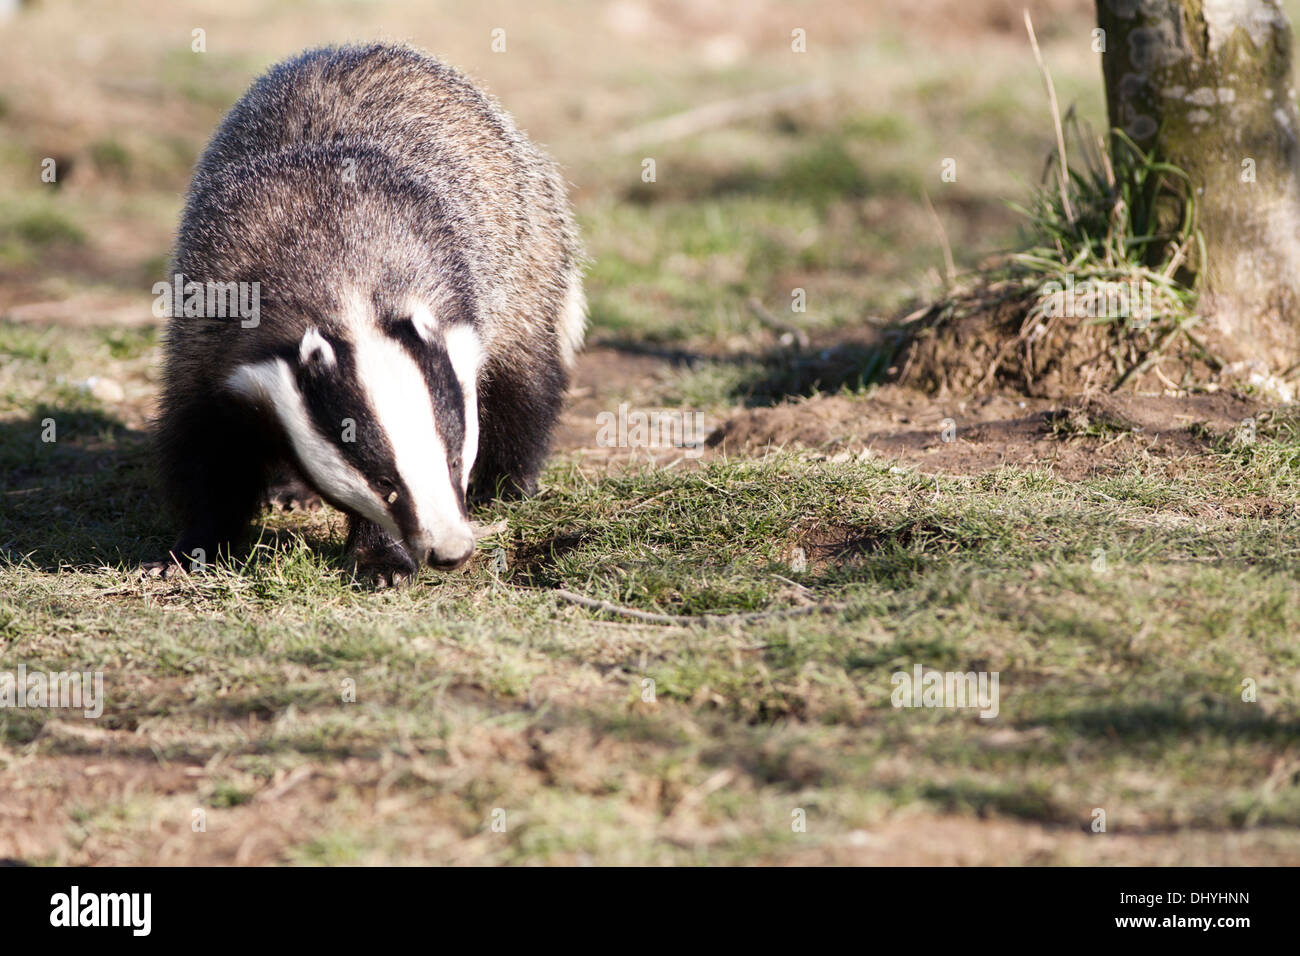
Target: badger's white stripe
point(399, 397)
point(465, 350)
point(466, 354)
point(573, 320)
point(272, 384)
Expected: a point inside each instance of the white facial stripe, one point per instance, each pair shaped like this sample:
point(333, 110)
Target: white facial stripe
point(466, 354)
point(399, 398)
point(271, 383)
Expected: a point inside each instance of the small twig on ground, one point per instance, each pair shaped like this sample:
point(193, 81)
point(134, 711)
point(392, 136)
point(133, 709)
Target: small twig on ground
point(276, 791)
point(694, 796)
point(482, 531)
point(1149, 359)
point(797, 336)
point(949, 266)
point(714, 115)
point(794, 584)
point(1164, 378)
point(1212, 359)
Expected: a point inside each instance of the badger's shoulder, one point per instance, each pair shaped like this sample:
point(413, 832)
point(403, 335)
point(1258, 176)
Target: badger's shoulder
point(423, 110)
point(426, 152)
point(306, 225)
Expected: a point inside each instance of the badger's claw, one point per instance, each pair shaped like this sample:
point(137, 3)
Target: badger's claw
point(159, 569)
point(168, 567)
point(193, 552)
point(291, 494)
point(376, 557)
point(384, 568)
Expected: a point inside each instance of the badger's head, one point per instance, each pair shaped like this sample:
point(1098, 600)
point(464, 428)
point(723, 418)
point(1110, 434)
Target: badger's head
point(382, 417)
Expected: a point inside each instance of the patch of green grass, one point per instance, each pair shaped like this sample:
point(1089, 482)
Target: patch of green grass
point(879, 127)
point(1078, 423)
point(26, 343)
point(131, 343)
point(482, 691)
point(44, 227)
point(111, 157)
point(821, 174)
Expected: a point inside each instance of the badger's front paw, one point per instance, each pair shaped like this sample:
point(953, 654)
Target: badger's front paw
point(384, 567)
point(185, 557)
point(161, 569)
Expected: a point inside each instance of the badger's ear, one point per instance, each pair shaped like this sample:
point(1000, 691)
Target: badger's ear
point(315, 351)
point(422, 318)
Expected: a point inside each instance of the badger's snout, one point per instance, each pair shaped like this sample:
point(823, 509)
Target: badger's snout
point(446, 551)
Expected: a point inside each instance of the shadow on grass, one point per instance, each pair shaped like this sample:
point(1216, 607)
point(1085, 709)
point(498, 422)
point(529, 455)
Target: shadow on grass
point(770, 376)
point(1162, 723)
point(89, 497)
point(819, 175)
point(76, 489)
point(1013, 800)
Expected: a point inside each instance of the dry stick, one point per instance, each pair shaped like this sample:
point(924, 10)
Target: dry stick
point(948, 264)
point(760, 311)
point(720, 114)
point(1063, 172)
point(1210, 357)
point(1164, 378)
point(1177, 260)
point(1150, 358)
point(691, 620)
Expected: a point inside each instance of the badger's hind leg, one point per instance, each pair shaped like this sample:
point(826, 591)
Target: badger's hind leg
point(214, 459)
point(288, 491)
point(518, 408)
point(376, 556)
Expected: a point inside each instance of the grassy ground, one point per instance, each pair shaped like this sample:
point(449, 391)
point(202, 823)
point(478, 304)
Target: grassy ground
point(281, 712)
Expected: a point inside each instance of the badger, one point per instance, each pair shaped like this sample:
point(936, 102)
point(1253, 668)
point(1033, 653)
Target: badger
point(420, 304)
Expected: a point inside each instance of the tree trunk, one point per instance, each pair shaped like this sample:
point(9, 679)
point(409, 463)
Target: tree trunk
point(1207, 84)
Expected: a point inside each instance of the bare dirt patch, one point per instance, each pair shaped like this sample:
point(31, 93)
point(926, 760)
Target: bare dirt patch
point(989, 339)
point(948, 432)
point(1073, 438)
point(606, 378)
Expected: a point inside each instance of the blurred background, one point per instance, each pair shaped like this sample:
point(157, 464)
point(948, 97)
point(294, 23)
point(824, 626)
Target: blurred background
point(811, 172)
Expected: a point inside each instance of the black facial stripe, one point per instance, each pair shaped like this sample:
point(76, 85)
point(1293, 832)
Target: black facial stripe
point(332, 396)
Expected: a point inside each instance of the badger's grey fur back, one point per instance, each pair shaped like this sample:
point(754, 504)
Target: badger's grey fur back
point(518, 236)
point(376, 179)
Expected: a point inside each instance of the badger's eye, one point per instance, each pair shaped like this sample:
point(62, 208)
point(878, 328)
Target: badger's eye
point(392, 497)
point(387, 490)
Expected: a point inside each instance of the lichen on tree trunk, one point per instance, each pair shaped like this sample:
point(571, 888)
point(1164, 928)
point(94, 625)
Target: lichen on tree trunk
point(1208, 85)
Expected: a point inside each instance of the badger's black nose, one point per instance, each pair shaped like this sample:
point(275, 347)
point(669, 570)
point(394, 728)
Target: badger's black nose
point(448, 562)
